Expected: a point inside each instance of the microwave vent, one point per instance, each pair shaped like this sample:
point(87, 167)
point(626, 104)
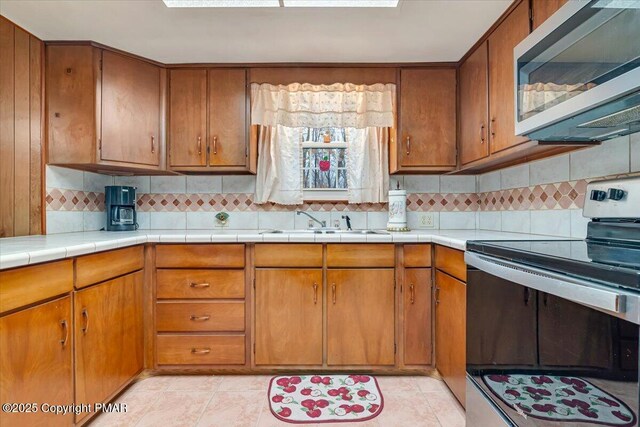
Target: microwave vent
point(619, 118)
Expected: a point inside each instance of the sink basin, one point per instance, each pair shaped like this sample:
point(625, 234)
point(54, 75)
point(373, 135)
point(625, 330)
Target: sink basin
point(323, 231)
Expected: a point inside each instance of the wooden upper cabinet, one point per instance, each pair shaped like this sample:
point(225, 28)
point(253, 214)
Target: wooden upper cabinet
point(108, 337)
point(104, 109)
point(188, 117)
point(543, 9)
point(427, 132)
point(36, 362)
point(360, 317)
point(474, 106)
point(130, 110)
point(228, 136)
point(501, 78)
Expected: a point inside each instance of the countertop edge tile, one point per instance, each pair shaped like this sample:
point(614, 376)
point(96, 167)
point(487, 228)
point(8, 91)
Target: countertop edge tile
point(14, 260)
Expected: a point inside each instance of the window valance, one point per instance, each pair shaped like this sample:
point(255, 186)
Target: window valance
point(317, 106)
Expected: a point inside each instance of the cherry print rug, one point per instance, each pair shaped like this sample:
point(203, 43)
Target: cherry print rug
point(325, 398)
point(560, 398)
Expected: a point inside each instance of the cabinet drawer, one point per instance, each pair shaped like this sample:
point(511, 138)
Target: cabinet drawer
point(200, 284)
point(288, 255)
point(103, 266)
point(417, 255)
point(26, 285)
point(200, 256)
point(201, 350)
point(451, 261)
point(199, 316)
point(360, 255)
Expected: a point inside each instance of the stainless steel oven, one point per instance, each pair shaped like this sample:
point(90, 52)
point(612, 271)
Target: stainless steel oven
point(553, 325)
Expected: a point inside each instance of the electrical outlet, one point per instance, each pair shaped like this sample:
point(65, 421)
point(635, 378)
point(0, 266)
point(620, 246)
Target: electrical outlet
point(426, 220)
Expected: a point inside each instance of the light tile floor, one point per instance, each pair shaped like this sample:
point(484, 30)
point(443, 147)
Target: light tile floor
point(241, 401)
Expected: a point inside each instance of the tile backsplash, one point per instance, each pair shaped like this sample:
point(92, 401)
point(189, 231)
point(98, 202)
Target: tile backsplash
point(542, 197)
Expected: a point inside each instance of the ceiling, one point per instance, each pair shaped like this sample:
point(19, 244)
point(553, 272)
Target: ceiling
point(415, 31)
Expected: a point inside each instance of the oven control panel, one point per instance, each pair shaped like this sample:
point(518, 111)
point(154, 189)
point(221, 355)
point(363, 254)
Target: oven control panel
point(614, 198)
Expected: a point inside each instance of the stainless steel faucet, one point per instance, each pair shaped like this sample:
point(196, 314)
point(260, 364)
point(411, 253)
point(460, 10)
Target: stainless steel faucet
point(323, 224)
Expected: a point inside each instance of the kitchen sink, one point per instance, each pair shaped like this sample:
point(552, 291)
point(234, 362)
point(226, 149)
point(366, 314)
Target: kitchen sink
point(323, 231)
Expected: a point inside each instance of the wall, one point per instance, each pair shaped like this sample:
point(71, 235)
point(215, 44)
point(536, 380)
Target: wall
point(542, 197)
point(21, 131)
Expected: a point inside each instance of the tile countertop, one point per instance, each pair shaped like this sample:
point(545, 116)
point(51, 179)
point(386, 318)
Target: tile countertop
point(19, 251)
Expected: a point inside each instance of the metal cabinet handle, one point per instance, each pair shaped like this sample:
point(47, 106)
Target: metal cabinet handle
point(199, 145)
point(492, 128)
point(482, 133)
point(412, 293)
point(408, 145)
point(315, 293)
point(215, 145)
point(85, 316)
point(153, 144)
point(65, 329)
point(200, 350)
point(333, 292)
point(527, 296)
point(199, 285)
point(200, 318)
point(437, 295)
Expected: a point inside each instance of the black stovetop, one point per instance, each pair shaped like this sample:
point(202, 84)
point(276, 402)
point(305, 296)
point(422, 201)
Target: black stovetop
point(603, 261)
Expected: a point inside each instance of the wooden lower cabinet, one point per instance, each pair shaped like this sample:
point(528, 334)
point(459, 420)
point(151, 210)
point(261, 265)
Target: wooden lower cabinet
point(36, 362)
point(417, 316)
point(360, 317)
point(451, 313)
point(288, 322)
point(108, 337)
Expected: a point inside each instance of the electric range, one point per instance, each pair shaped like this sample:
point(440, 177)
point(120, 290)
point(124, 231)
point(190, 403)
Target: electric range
point(552, 325)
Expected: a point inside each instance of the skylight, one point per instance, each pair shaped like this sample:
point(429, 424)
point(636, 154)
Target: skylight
point(281, 3)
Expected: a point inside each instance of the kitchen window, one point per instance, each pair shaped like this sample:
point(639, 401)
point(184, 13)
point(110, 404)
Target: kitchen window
point(324, 163)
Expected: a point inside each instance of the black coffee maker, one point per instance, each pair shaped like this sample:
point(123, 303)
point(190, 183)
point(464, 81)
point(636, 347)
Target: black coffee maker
point(120, 202)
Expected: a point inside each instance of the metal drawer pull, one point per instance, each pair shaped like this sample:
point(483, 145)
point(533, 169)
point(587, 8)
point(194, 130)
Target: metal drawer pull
point(85, 316)
point(65, 328)
point(408, 145)
point(200, 318)
point(199, 145)
point(200, 350)
point(199, 285)
point(215, 145)
point(153, 144)
point(412, 293)
point(333, 292)
point(492, 128)
point(437, 295)
point(315, 293)
point(482, 133)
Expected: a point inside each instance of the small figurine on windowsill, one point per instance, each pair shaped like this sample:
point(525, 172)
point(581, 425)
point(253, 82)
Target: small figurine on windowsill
point(327, 137)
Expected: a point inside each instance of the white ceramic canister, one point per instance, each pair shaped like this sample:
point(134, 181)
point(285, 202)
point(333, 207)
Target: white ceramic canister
point(397, 211)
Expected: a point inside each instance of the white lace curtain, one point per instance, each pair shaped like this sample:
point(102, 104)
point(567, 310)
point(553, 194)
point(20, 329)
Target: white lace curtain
point(337, 105)
point(368, 112)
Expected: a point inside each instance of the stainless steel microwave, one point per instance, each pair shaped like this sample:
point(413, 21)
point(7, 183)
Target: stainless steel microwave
point(577, 76)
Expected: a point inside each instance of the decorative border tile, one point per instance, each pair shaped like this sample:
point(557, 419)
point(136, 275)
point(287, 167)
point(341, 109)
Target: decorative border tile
point(561, 195)
point(74, 200)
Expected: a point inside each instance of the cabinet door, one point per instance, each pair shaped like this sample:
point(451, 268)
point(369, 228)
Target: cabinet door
point(288, 317)
point(188, 118)
point(543, 9)
point(451, 314)
point(108, 337)
point(417, 316)
point(474, 105)
point(228, 117)
point(35, 362)
point(501, 79)
point(427, 118)
point(360, 317)
point(130, 110)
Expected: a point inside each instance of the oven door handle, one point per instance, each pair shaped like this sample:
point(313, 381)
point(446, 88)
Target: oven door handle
point(569, 288)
